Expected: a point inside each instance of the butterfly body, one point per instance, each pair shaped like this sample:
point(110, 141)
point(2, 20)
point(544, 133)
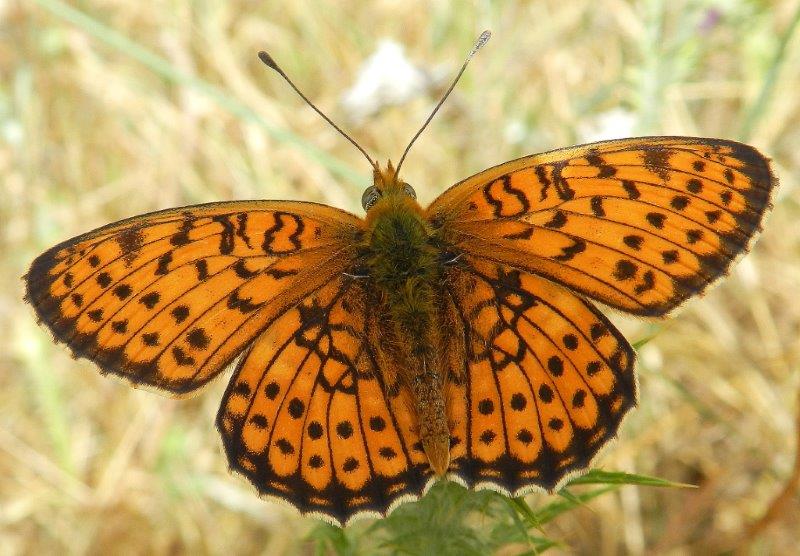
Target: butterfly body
point(404, 263)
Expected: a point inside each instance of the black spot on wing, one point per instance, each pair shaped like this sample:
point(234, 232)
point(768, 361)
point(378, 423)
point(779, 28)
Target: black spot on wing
point(163, 263)
point(631, 189)
point(633, 241)
point(202, 269)
point(130, 242)
point(624, 270)
point(181, 237)
point(243, 305)
point(568, 253)
point(656, 159)
point(597, 206)
point(241, 270)
point(226, 242)
point(524, 234)
point(150, 299)
point(557, 221)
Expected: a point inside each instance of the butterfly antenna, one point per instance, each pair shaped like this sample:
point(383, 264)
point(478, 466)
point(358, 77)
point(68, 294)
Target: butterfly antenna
point(270, 62)
point(482, 40)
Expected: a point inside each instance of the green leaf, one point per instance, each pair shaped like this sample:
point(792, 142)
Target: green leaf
point(598, 476)
point(551, 511)
point(652, 331)
point(329, 539)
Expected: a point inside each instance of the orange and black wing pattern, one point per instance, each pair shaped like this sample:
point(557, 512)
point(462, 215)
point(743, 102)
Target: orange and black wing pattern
point(308, 419)
point(546, 381)
point(168, 299)
point(638, 224)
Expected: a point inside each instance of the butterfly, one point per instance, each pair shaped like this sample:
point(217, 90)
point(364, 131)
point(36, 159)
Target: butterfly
point(375, 355)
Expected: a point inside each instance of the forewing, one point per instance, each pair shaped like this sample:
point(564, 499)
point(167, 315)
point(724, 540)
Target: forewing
point(547, 380)
point(637, 224)
point(169, 298)
point(308, 420)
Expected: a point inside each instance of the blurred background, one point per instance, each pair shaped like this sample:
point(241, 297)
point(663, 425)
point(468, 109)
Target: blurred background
point(111, 108)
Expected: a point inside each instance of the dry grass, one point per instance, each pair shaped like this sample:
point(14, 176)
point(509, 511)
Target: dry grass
point(128, 107)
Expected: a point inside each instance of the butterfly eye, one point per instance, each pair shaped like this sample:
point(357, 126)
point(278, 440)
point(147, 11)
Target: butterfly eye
point(408, 190)
point(370, 197)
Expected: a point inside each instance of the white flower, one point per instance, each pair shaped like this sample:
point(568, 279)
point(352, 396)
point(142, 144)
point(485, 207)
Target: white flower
point(614, 124)
point(386, 78)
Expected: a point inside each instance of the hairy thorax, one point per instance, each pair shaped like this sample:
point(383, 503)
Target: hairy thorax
point(404, 264)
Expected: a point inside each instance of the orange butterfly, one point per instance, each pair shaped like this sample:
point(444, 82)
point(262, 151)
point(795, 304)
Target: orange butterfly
point(377, 354)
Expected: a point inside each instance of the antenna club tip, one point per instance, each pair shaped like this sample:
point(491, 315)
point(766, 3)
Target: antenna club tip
point(267, 59)
point(482, 40)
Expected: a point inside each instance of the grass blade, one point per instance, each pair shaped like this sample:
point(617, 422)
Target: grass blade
point(168, 71)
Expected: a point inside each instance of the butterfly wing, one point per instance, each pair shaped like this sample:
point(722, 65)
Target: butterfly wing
point(547, 379)
point(637, 224)
point(308, 419)
point(168, 299)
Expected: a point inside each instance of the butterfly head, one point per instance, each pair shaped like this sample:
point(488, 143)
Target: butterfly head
point(385, 185)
